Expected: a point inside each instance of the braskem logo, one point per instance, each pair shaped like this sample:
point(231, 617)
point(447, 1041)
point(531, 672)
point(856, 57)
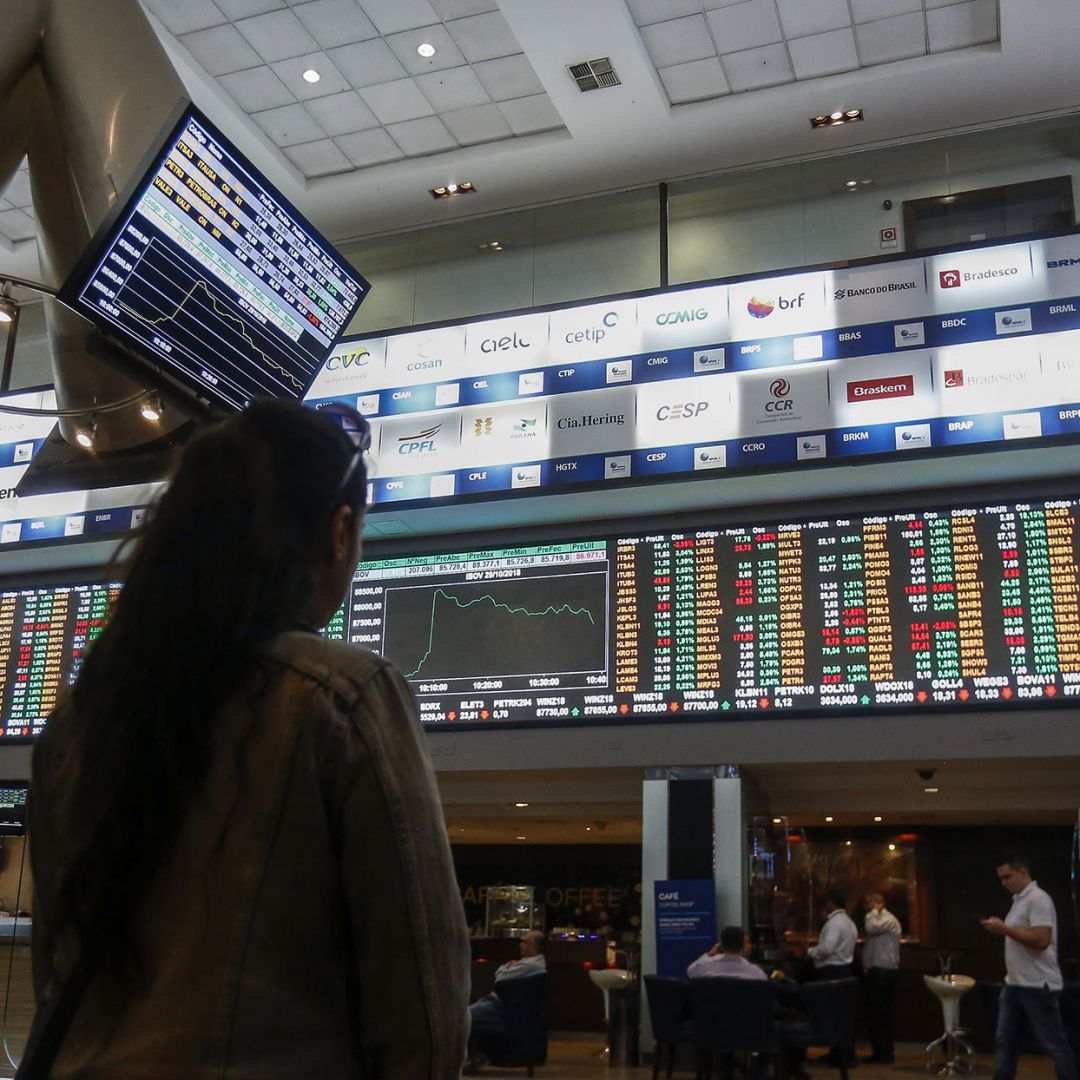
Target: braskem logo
point(873, 389)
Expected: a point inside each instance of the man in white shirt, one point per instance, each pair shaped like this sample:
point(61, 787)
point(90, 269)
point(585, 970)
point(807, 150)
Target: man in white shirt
point(1033, 982)
point(880, 959)
point(835, 949)
point(726, 958)
point(531, 962)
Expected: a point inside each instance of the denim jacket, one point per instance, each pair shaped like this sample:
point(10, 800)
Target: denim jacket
point(307, 923)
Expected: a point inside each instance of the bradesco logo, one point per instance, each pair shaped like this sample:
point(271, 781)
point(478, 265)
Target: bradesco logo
point(954, 279)
point(356, 360)
point(874, 389)
point(762, 307)
point(684, 410)
point(419, 442)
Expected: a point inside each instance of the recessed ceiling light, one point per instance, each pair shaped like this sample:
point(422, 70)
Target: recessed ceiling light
point(931, 790)
point(828, 817)
point(892, 847)
point(777, 821)
point(5, 315)
point(847, 843)
point(523, 838)
point(464, 187)
point(85, 436)
point(152, 408)
point(425, 48)
point(588, 828)
point(877, 817)
point(311, 76)
point(521, 805)
point(836, 118)
point(853, 184)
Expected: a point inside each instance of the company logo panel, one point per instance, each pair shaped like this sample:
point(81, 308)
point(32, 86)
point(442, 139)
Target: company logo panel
point(597, 420)
point(353, 367)
point(686, 318)
point(427, 443)
point(881, 389)
point(683, 411)
point(783, 399)
point(498, 345)
point(962, 280)
point(1060, 355)
point(776, 306)
point(876, 294)
point(426, 356)
point(1057, 266)
point(502, 434)
point(594, 332)
point(988, 377)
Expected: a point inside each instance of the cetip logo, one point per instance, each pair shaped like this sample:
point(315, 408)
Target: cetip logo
point(949, 279)
point(759, 307)
point(872, 389)
point(780, 388)
point(954, 378)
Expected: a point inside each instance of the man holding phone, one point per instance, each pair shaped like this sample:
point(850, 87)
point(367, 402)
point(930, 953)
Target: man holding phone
point(1033, 979)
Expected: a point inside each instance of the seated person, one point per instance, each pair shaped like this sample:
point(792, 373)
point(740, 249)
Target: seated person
point(531, 962)
point(727, 958)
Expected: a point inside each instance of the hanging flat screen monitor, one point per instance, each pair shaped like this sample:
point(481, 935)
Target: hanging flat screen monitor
point(214, 278)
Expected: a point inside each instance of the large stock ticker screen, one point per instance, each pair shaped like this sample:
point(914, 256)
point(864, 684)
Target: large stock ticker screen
point(957, 608)
point(216, 278)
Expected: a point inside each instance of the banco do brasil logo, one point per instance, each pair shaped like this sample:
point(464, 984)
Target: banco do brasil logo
point(759, 307)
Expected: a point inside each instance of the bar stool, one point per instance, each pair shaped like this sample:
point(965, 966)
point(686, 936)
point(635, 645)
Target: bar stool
point(608, 979)
point(949, 989)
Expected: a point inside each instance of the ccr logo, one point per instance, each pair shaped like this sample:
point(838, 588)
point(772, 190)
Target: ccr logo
point(421, 442)
point(685, 410)
point(780, 389)
point(358, 359)
point(670, 318)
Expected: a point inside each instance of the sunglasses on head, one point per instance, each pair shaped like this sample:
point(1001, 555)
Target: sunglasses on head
point(357, 428)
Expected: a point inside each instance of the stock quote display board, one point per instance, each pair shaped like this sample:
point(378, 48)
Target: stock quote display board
point(215, 277)
point(961, 608)
point(974, 346)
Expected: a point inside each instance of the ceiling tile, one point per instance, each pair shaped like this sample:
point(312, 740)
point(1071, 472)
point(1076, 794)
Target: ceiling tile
point(697, 81)
point(390, 16)
point(288, 125)
point(508, 77)
point(320, 158)
point(256, 89)
point(458, 88)
point(529, 114)
point(447, 54)
point(483, 123)
point(427, 135)
point(646, 12)
point(342, 113)
point(18, 191)
point(17, 225)
point(396, 101)
point(367, 63)
point(711, 5)
point(754, 68)
point(188, 16)
point(243, 9)
point(960, 25)
point(291, 73)
point(277, 35)
point(678, 41)
point(221, 50)
point(800, 19)
point(484, 37)
point(335, 22)
point(459, 9)
point(745, 26)
point(823, 54)
point(868, 10)
point(898, 38)
point(369, 147)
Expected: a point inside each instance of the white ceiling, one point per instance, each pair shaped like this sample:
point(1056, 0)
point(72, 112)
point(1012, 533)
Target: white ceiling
point(360, 150)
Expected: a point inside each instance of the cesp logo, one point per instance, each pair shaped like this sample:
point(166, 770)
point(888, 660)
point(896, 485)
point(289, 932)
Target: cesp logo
point(670, 318)
point(421, 442)
point(872, 389)
point(954, 378)
point(358, 359)
point(949, 279)
point(685, 410)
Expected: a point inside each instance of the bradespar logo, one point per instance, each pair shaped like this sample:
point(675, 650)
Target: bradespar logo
point(686, 315)
point(762, 307)
point(954, 378)
point(994, 378)
point(682, 410)
point(357, 360)
point(875, 290)
point(954, 279)
point(874, 389)
point(419, 442)
point(591, 420)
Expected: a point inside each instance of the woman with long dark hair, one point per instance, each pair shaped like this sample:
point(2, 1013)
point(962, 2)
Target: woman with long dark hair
point(240, 861)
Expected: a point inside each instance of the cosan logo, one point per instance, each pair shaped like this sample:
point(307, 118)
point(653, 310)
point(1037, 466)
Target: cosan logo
point(423, 365)
point(421, 442)
point(872, 389)
point(683, 410)
point(762, 307)
point(670, 318)
point(591, 420)
point(357, 359)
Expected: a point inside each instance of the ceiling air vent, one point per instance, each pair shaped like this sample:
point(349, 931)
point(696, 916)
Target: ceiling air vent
point(594, 74)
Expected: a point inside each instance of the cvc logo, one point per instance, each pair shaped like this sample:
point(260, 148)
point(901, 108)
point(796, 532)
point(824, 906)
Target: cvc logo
point(357, 359)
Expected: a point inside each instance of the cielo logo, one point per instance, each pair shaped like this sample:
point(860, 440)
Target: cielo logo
point(670, 318)
point(683, 410)
point(872, 389)
point(420, 442)
point(360, 358)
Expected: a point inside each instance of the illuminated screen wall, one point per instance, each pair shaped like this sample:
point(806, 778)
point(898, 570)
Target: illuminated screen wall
point(961, 608)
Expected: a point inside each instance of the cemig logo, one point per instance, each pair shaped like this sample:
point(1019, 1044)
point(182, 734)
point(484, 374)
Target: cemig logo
point(949, 279)
point(872, 389)
point(954, 378)
point(422, 442)
point(358, 359)
point(685, 410)
point(482, 425)
point(669, 318)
